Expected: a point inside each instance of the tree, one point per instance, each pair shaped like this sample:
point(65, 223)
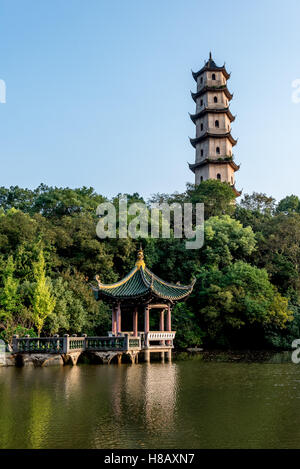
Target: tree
point(240, 297)
point(258, 202)
point(289, 204)
point(9, 296)
point(218, 197)
point(43, 302)
point(184, 322)
point(255, 210)
point(279, 250)
point(226, 240)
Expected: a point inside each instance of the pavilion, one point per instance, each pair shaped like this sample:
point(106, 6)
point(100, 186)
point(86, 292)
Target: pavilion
point(139, 292)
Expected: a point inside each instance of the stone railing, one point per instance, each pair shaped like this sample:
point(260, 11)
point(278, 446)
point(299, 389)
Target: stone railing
point(68, 344)
point(164, 339)
point(55, 344)
point(133, 343)
point(96, 344)
point(38, 345)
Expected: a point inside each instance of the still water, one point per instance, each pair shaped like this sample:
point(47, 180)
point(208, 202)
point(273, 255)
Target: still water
point(186, 404)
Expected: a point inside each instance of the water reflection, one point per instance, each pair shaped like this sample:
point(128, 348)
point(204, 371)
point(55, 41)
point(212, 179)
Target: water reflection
point(148, 392)
point(185, 404)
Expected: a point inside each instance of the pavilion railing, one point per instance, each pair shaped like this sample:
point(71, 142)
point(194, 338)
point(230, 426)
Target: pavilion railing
point(95, 344)
point(68, 344)
point(161, 339)
point(38, 345)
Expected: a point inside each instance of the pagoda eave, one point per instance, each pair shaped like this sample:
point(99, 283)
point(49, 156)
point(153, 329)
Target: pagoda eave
point(195, 141)
point(237, 193)
point(195, 117)
point(215, 89)
point(211, 69)
point(207, 161)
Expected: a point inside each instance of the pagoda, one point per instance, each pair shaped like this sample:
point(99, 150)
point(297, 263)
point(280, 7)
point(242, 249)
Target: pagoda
point(213, 142)
point(139, 292)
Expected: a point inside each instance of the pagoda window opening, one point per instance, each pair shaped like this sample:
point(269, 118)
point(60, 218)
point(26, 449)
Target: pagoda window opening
point(201, 152)
point(201, 80)
point(201, 102)
point(201, 179)
point(217, 123)
point(201, 126)
point(218, 150)
point(213, 76)
point(219, 176)
point(215, 99)
point(231, 180)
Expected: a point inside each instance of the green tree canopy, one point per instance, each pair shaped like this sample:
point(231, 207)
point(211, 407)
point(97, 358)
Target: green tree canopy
point(43, 302)
point(218, 197)
point(239, 297)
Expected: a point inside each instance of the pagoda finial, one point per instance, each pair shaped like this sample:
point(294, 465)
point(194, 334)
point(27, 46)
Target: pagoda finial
point(140, 258)
point(210, 57)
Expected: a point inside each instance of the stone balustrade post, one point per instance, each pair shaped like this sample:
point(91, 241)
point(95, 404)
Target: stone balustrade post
point(15, 343)
point(66, 343)
point(56, 342)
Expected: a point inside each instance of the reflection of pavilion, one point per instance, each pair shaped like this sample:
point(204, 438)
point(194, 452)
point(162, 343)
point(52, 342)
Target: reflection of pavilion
point(138, 293)
point(147, 392)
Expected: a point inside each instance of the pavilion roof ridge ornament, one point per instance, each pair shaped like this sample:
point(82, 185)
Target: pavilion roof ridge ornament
point(140, 259)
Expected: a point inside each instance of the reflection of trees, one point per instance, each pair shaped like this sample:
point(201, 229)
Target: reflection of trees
point(187, 404)
point(39, 419)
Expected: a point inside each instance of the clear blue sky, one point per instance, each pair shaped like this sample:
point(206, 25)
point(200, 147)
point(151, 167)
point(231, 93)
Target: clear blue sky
point(98, 92)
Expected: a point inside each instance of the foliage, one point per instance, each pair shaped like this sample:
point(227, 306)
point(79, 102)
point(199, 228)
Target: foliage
point(188, 332)
point(43, 302)
point(218, 197)
point(237, 297)
point(247, 288)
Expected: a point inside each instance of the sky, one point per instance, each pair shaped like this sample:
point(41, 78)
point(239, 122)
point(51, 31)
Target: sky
point(98, 91)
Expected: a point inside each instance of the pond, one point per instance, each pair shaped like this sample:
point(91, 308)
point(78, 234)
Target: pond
point(185, 404)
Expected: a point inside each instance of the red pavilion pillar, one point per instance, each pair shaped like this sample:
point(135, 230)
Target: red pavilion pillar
point(114, 321)
point(146, 319)
point(119, 328)
point(162, 320)
point(162, 325)
point(169, 326)
point(135, 322)
point(146, 330)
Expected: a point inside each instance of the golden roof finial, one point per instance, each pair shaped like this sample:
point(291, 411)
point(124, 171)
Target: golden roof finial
point(140, 258)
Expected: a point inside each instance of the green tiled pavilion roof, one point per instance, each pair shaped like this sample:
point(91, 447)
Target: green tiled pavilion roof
point(141, 282)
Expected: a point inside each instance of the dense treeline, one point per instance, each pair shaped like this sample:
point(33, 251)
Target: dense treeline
point(247, 292)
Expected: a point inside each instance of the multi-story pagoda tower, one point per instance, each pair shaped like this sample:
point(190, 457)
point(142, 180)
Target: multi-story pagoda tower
point(213, 142)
